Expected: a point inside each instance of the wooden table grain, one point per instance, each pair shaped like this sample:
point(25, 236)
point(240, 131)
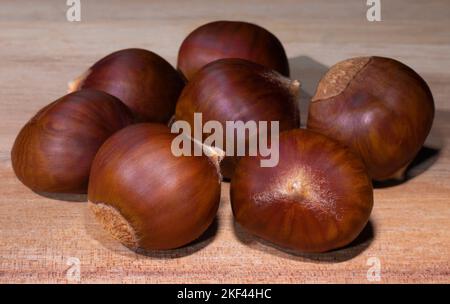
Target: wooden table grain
point(44, 238)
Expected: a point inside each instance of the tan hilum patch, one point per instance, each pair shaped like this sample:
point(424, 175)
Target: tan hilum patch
point(113, 222)
point(338, 77)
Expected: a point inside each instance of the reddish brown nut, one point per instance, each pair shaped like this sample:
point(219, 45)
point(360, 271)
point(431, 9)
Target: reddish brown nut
point(377, 106)
point(145, 196)
point(54, 150)
point(231, 39)
point(318, 198)
point(239, 90)
point(144, 81)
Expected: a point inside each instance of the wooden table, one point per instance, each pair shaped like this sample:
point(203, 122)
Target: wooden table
point(43, 239)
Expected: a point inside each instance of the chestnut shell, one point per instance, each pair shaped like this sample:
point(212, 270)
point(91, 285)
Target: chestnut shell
point(377, 106)
point(231, 39)
point(239, 90)
point(318, 198)
point(145, 196)
point(53, 152)
point(141, 79)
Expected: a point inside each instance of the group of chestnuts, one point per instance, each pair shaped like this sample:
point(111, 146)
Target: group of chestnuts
point(110, 138)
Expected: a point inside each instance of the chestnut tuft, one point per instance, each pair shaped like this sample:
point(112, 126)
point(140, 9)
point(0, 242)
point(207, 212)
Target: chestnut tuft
point(378, 107)
point(54, 150)
point(141, 79)
point(231, 39)
point(239, 90)
point(146, 197)
point(318, 198)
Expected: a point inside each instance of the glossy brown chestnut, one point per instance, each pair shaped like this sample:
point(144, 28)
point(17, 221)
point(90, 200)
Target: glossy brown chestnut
point(54, 150)
point(141, 79)
point(318, 198)
point(379, 107)
point(239, 90)
point(145, 196)
point(231, 39)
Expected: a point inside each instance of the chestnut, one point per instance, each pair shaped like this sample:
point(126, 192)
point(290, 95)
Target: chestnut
point(378, 107)
point(141, 79)
point(318, 198)
point(146, 197)
point(239, 90)
point(231, 39)
point(53, 152)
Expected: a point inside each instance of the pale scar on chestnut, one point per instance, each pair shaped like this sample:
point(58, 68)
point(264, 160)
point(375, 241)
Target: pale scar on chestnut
point(337, 79)
point(114, 222)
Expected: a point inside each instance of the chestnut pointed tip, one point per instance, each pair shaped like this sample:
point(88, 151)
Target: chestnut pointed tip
point(296, 83)
point(294, 87)
point(171, 121)
point(399, 175)
point(215, 155)
point(76, 83)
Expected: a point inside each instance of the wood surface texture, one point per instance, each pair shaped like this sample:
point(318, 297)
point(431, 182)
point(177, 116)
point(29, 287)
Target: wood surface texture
point(40, 51)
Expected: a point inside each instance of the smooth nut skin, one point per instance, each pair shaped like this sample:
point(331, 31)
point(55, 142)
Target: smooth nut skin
point(239, 90)
point(379, 107)
point(231, 39)
point(318, 198)
point(165, 201)
point(54, 150)
point(141, 79)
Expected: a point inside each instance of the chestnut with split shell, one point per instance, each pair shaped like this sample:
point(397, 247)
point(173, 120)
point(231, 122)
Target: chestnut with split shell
point(231, 39)
point(239, 90)
point(53, 152)
point(146, 197)
point(378, 107)
point(319, 197)
point(141, 79)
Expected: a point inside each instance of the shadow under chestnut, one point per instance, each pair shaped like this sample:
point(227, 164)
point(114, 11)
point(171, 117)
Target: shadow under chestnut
point(66, 197)
point(346, 253)
point(204, 240)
